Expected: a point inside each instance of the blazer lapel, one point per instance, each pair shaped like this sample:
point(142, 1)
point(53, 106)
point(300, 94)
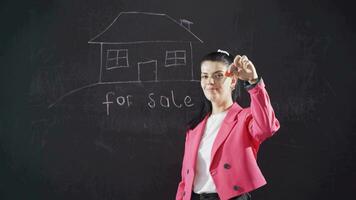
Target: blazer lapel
point(196, 134)
point(226, 127)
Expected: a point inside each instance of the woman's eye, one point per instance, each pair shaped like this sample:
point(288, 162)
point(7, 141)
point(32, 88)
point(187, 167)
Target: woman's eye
point(219, 76)
point(204, 77)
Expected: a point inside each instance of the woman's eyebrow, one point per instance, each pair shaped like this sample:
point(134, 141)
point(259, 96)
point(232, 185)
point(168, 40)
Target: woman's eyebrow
point(213, 72)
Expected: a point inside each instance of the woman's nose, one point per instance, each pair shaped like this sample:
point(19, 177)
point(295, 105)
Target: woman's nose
point(211, 80)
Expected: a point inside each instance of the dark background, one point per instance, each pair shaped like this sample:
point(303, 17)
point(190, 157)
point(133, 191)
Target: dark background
point(304, 50)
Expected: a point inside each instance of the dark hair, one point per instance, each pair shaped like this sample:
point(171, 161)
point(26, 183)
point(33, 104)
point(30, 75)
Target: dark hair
point(206, 107)
point(218, 56)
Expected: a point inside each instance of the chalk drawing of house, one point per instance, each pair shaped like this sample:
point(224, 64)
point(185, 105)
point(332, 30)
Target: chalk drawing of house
point(146, 47)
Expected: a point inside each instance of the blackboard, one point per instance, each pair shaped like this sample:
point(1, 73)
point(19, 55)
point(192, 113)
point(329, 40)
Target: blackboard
point(96, 94)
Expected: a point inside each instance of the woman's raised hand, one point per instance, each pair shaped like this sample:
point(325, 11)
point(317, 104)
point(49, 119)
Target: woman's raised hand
point(243, 69)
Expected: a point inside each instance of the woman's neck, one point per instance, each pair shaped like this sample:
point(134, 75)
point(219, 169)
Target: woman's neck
point(221, 107)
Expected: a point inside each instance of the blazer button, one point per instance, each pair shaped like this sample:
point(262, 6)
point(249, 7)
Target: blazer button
point(187, 171)
point(227, 166)
point(236, 187)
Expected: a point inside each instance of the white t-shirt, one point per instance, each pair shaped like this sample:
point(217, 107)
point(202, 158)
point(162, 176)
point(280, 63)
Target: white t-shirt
point(203, 182)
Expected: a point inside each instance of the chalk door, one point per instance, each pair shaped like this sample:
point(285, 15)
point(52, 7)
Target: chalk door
point(147, 71)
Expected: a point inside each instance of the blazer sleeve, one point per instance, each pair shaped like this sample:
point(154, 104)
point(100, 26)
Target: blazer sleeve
point(180, 190)
point(262, 122)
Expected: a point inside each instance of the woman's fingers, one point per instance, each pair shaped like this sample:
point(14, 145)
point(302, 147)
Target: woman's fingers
point(237, 62)
point(244, 61)
point(240, 63)
point(237, 59)
point(242, 68)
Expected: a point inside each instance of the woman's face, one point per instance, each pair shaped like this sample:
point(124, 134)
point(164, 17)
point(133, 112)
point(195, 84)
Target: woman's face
point(216, 86)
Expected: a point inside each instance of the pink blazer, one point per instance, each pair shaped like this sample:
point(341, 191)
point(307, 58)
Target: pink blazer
point(233, 164)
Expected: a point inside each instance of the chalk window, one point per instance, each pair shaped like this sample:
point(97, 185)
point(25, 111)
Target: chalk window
point(116, 58)
point(176, 57)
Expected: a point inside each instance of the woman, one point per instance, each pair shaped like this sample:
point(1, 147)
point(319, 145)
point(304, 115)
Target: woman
point(221, 145)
